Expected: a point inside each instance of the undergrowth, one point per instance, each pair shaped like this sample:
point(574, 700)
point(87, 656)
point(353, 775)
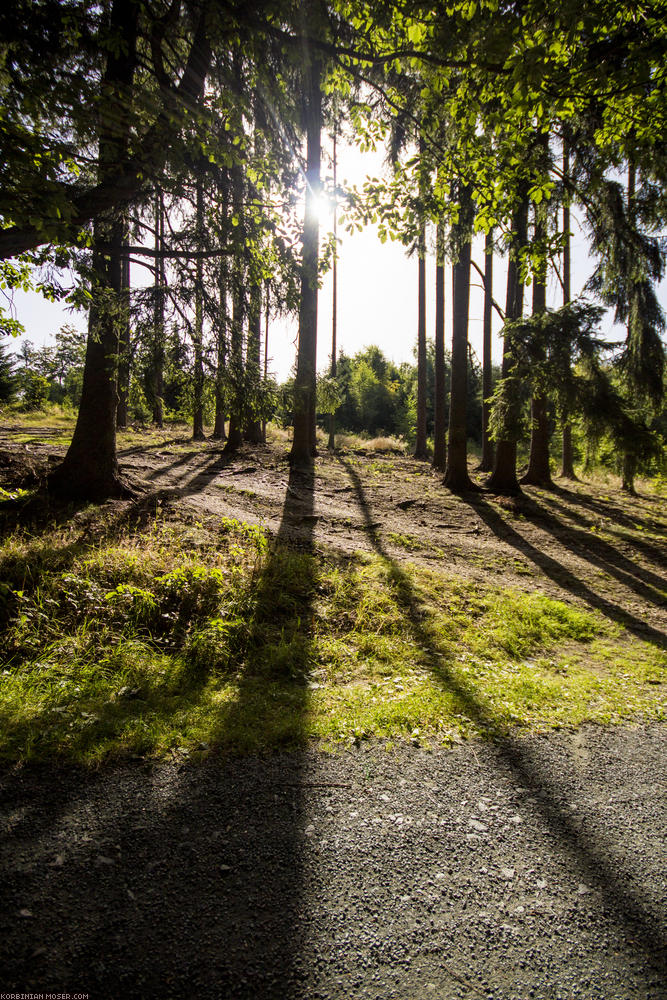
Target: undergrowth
point(174, 637)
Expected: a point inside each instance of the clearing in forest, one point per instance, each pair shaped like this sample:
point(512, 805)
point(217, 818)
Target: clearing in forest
point(242, 605)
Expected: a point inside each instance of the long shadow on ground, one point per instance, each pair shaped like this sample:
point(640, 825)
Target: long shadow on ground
point(563, 577)
point(181, 885)
point(590, 854)
point(597, 551)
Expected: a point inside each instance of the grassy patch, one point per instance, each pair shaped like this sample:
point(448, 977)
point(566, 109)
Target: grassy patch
point(124, 638)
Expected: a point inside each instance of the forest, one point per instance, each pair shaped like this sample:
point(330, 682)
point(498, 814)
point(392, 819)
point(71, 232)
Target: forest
point(347, 682)
point(187, 145)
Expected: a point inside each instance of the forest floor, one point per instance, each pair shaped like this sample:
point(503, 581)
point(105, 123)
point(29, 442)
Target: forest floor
point(411, 862)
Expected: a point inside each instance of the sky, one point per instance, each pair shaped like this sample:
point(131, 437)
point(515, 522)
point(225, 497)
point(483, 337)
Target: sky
point(377, 293)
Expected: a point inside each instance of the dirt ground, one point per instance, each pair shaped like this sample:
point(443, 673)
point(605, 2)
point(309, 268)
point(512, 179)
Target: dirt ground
point(585, 542)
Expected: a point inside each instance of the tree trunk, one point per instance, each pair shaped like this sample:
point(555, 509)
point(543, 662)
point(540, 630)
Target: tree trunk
point(421, 450)
point(629, 460)
point(253, 428)
point(567, 469)
point(334, 305)
point(486, 463)
point(440, 413)
point(158, 316)
point(125, 346)
point(234, 434)
point(305, 383)
point(456, 474)
point(89, 470)
point(221, 359)
point(628, 473)
point(198, 333)
point(266, 352)
point(503, 478)
point(539, 472)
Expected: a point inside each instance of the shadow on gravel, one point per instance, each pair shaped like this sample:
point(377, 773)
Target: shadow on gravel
point(592, 856)
point(567, 580)
point(181, 891)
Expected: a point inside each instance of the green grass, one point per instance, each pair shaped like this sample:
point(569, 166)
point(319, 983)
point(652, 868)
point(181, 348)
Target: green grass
point(127, 639)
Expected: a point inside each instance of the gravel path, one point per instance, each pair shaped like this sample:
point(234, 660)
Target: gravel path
point(529, 869)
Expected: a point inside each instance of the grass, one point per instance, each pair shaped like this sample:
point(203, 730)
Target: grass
point(130, 639)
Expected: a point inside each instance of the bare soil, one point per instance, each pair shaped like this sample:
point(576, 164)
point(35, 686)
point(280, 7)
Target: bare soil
point(587, 542)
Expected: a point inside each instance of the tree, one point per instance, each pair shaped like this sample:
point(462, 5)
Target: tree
point(440, 417)
point(486, 462)
point(567, 466)
point(7, 375)
point(303, 443)
point(508, 394)
point(456, 473)
point(539, 472)
point(90, 467)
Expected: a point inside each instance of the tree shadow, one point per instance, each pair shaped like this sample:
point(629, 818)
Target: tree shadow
point(655, 552)
point(607, 507)
point(590, 853)
point(197, 869)
point(567, 580)
point(597, 551)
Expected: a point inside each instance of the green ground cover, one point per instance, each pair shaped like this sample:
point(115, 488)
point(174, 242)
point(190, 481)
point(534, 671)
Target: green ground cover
point(165, 635)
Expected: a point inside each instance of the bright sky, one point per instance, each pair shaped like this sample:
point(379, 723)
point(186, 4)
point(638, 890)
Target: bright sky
point(377, 293)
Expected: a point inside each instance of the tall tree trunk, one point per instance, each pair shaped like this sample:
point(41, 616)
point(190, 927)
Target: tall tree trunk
point(221, 354)
point(567, 469)
point(158, 315)
point(421, 450)
point(456, 473)
point(334, 304)
point(89, 470)
point(266, 351)
point(539, 472)
point(253, 428)
point(629, 461)
point(125, 345)
point(305, 383)
point(503, 478)
point(486, 463)
point(235, 368)
point(628, 473)
point(198, 332)
point(440, 412)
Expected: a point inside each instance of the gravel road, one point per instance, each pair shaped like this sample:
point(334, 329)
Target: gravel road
point(534, 868)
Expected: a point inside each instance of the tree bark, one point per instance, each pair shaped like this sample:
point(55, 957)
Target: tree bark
point(334, 304)
point(421, 450)
point(253, 428)
point(89, 470)
point(234, 433)
point(503, 479)
point(628, 473)
point(158, 316)
point(440, 412)
point(629, 460)
point(567, 465)
point(198, 332)
point(125, 345)
point(539, 472)
point(221, 358)
point(456, 474)
point(305, 383)
point(486, 462)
